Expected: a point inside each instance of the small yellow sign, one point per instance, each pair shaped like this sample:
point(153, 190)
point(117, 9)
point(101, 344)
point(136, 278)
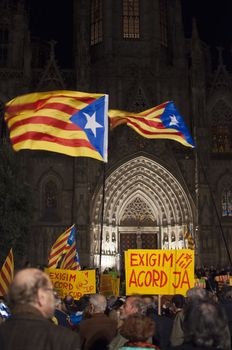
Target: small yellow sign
point(74, 283)
point(166, 272)
point(109, 285)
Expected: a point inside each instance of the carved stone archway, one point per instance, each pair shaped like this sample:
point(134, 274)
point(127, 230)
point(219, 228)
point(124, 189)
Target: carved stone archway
point(145, 207)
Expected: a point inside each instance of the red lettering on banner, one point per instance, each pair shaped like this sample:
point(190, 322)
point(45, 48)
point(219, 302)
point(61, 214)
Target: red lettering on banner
point(160, 280)
point(166, 259)
point(179, 276)
point(151, 278)
point(185, 279)
point(133, 260)
point(132, 279)
point(181, 279)
point(141, 256)
point(148, 279)
point(140, 284)
point(156, 277)
point(72, 278)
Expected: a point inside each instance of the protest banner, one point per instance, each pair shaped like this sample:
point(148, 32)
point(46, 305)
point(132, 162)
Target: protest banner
point(159, 271)
point(74, 283)
point(109, 284)
point(222, 280)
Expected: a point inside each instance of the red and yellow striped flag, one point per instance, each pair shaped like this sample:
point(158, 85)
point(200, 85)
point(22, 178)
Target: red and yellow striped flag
point(59, 248)
point(160, 122)
point(188, 236)
point(70, 258)
point(64, 251)
point(68, 122)
point(7, 273)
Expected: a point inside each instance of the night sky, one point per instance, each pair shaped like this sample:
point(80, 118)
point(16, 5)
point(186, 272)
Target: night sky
point(50, 19)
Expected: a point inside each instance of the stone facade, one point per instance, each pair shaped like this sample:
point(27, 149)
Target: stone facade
point(153, 189)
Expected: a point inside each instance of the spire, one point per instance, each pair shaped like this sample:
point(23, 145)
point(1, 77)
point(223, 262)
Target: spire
point(221, 79)
point(51, 76)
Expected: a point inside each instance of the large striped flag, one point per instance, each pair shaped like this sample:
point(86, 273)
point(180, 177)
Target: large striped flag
point(69, 122)
point(160, 122)
point(63, 253)
point(7, 273)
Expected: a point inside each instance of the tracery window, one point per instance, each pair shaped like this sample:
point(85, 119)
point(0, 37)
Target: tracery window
point(50, 201)
point(163, 23)
point(50, 195)
point(96, 22)
point(4, 38)
point(226, 202)
point(131, 19)
point(221, 128)
point(138, 212)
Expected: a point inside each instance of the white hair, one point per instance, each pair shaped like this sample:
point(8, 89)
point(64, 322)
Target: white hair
point(98, 302)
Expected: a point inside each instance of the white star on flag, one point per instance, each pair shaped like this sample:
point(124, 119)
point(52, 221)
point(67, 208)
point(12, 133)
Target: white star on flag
point(92, 123)
point(173, 121)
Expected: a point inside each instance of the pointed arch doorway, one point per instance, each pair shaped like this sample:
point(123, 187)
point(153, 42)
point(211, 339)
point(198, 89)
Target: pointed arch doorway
point(145, 207)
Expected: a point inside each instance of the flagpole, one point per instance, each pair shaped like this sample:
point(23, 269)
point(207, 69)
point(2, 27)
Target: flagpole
point(215, 208)
point(73, 191)
point(102, 214)
point(2, 122)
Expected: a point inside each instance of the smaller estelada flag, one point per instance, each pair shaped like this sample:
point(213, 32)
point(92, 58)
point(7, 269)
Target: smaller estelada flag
point(159, 122)
point(7, 273)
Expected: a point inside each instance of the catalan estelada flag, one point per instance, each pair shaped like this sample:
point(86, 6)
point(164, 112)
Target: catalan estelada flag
point(160, 122)
point(7, 273)
point(63, 253)
point(70, 259)
point(68, 122)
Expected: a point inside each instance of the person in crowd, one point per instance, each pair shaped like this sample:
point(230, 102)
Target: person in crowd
point(193, 294)
point(114, 311)
point(32, 304)
point(177, 335)
point(138, 329)
point(133, 305)
point(70, 304)
point(61, 316)
point(99, 329)
point(164, 322)
point(226, 303)
point(205, 327)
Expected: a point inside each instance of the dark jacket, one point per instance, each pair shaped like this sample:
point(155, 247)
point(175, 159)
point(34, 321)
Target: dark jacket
point(27, 329)
point(98, 328)
point(190, 346)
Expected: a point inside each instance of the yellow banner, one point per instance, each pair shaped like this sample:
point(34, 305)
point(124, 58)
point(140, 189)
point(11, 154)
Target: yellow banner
point(109, 284)
point(159, 271)
point(74, 283)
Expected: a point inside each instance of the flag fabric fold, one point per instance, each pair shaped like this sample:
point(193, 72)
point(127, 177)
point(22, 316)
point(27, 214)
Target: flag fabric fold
point(160, 122)
point(7, 273)
point(43, 121)
point(64, 253)
point(189, 238)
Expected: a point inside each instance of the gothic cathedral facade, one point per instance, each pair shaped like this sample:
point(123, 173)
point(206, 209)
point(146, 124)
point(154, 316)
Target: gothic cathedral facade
point(150, 191)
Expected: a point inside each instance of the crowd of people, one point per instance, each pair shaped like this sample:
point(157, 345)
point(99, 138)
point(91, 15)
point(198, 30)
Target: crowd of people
point(34, 317)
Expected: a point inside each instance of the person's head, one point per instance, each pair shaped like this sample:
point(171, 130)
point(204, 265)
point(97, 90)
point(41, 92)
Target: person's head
point(133, 305)
point(137, 328)
point(148, 300)
point(178, 301)
point(196, 293)
point(32, 287)
point(205, 324)
point(227, 293)
point(97, 304)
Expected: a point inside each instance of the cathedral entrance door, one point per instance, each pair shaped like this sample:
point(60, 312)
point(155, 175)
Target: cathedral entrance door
point(145, 240)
